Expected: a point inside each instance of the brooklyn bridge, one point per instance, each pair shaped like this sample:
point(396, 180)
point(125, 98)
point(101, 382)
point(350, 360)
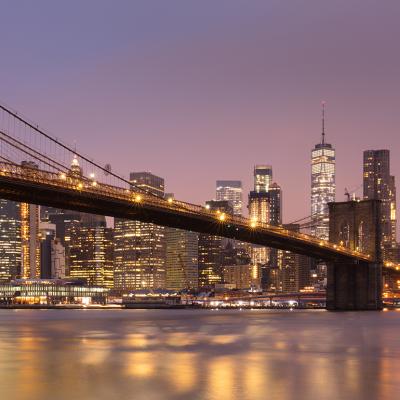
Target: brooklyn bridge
point(35, 168)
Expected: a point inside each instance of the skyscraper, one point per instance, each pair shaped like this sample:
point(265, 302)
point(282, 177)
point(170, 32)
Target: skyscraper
point(265, 205)
point(182, 253)
point(148, 182)
point(275, 204)
point(47, 236)
point(262, 178)
point(30, 236)
point(379, 184)
point(139, 252)
point(232, 192)
point(322, 184)
point(65, 221)
point(57, 260)
point(91, 253)
point(10, 240)
point(30, 241)
point(210, 250)
point(181, 259)
point(294, 269)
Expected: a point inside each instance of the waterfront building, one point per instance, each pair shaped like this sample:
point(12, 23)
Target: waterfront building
point(210, 249)
point(50, 291)
point(232, 192)
point(139, 254)
point(379, 184)
point(10, 240)
point(323, 185)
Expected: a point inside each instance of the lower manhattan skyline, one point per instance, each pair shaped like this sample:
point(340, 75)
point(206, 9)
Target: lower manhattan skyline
point(233, 95)
point(198, 200)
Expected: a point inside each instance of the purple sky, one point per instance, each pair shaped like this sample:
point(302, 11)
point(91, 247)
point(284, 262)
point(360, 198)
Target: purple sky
point(200, 91)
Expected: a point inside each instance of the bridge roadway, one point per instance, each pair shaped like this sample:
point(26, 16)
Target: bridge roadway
point(20, 183)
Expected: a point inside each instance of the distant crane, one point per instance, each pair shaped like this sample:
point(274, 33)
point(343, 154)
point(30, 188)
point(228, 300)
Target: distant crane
point(351, 195)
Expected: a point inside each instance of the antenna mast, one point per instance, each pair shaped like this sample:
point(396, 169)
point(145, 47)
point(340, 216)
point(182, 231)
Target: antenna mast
point(323, 123)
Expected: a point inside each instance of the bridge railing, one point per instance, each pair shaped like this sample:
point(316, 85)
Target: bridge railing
point(93, 187)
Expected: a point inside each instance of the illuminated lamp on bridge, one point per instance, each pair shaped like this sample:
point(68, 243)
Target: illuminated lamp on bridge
point(222, 217)
point(170, 200)
point(138, 198)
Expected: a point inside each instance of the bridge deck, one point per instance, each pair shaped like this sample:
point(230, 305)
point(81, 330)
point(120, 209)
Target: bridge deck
point(20, 183)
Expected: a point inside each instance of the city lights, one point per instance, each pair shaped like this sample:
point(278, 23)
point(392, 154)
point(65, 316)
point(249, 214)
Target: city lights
point(171, 222)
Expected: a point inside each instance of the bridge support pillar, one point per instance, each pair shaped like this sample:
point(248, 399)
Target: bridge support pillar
point(353, 286)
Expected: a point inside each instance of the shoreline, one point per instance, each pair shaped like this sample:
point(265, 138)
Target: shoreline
point(140, 307)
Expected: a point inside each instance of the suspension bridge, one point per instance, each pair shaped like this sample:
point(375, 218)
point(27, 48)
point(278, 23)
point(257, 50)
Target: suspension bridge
point(35, 167)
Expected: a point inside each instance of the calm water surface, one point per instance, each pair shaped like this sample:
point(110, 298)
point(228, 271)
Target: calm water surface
point(198, 354)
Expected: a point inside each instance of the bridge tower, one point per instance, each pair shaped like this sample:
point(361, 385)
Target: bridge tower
point(355, 285)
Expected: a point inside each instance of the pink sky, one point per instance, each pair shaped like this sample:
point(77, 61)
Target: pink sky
point(200, 91)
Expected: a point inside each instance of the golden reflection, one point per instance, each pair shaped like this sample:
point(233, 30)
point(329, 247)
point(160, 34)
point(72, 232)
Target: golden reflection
point(138, 340)
point(94, 351)
point(254, 376)
point(280, 345)
point(225, 339)
point(388, 375)
point(29, 347)
point(183, 375)
point(352, 368)
point(221, 377)
point(180, 339)
point(321, 380)
point(31, 343)
point(141, 364)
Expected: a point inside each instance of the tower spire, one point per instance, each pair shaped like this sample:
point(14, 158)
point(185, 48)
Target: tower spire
point(323, 123)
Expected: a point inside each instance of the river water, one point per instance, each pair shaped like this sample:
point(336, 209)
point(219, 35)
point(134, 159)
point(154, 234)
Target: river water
point(199, 354)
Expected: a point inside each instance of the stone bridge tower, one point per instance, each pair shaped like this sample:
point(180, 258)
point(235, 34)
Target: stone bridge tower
point(355, 285)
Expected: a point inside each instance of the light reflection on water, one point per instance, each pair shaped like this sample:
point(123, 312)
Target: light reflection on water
point(198, 354)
